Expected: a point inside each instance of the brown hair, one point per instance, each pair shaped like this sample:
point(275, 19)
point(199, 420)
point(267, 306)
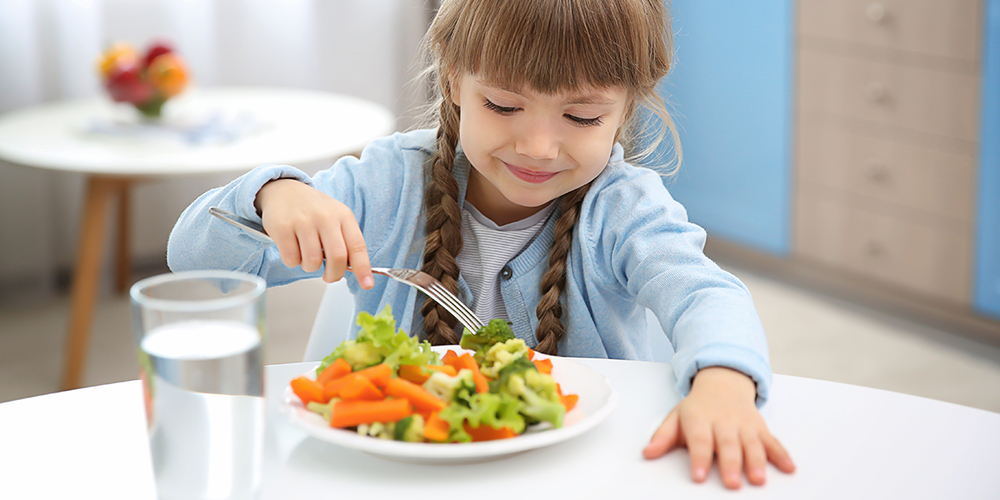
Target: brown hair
point(550, 46)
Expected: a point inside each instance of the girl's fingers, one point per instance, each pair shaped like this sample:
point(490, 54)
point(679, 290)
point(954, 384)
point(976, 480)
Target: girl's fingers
point(665, 438)
point(729, 449)
point(311, 250)
point(357, 254)
point(288, 246)
point(754, 457)
point(336, 255)
point(701, 448)
point(777, 455)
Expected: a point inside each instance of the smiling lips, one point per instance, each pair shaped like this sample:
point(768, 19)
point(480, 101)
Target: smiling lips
point(528, 175)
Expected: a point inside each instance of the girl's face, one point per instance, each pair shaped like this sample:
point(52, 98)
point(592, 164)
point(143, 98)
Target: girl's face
point(528, 149)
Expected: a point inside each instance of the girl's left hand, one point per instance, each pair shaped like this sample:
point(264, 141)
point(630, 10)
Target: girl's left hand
point(719, 417)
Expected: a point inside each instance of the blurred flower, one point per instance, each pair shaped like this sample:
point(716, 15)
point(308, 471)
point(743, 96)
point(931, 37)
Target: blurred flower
point(146, 82)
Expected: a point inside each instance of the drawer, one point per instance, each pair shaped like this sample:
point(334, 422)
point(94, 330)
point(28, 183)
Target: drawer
point(920, 99)
point(831, 154)
point(948, 28)
point(837, 230)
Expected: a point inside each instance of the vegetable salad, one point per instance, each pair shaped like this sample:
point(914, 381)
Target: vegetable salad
point(388, 385)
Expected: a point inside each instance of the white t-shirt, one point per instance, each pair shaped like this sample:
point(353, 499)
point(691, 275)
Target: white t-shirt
point(486, 250)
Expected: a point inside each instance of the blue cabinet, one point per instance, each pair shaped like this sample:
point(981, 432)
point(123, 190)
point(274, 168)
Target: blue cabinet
point(731, 93)
point(730, 96)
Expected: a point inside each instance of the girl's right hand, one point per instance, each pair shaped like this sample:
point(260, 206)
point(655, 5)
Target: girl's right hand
point(307, 225)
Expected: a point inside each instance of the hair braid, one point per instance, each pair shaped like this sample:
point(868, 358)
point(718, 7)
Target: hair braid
point(549, 311)
point(444, 226)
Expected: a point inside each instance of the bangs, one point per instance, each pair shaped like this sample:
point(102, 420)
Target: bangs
point(557, 45)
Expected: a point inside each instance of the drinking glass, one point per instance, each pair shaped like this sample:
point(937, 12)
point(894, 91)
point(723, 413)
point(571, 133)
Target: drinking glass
point(200, 337)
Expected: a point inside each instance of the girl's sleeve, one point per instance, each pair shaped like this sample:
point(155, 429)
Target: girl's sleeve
point(199, 240)
point(656, 254)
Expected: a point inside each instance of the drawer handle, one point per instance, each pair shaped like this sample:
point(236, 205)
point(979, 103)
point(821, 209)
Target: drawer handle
point(877, 92)
point(877, 171)
point(875, 12)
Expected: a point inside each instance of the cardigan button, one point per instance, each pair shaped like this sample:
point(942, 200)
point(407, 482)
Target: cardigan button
point(506, 273)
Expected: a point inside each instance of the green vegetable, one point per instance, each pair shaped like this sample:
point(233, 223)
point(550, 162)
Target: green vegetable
point(324, 410)
point(410, 429)
point(495, 410)
point(496, 331)
point(500, 355)
point(378, 341)
point(381, 430)
point(536, 390)
point(458, 389)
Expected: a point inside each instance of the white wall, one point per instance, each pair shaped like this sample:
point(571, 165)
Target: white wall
point(365, 48)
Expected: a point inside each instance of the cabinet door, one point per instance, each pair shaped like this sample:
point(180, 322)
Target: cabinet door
point(988, 242)
point(730, 95)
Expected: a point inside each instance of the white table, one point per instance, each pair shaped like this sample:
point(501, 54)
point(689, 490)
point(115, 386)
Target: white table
point(296, 126)
point(847, 441)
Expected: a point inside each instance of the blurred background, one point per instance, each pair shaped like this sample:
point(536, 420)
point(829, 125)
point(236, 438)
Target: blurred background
point(844, 157)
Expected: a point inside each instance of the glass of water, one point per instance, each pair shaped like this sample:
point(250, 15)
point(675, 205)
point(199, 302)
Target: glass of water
point(201, 337)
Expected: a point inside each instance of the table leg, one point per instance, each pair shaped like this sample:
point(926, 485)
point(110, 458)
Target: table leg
point(86, 277)
point(124, 251)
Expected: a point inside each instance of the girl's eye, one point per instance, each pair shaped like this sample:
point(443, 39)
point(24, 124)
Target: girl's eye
point(498, 109)
point(586, 122)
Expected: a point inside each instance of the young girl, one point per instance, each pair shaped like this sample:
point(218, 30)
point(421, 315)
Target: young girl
point(521, 202)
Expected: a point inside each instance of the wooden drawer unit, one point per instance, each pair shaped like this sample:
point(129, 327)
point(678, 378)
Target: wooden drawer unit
point(944, 28)
point(887, 130)
point(925, 100)
point(916, 254)
point(885, 167)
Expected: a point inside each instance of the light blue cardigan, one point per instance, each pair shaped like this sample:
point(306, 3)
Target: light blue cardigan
point(633, 248)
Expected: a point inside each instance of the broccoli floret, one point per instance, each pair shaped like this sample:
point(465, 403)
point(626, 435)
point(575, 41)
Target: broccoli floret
point(410, 429)
point(494, 410)
point(501, 355)
point(536, 390)
point(324, 410)
point(449, 389)
point(381, 430)
point(496, 331)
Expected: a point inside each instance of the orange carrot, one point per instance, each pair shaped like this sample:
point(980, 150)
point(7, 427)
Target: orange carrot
point(419, 397)
point(378, 374)
point(418, 374)
point(308, 390)
point(569, 401)
point(360, 388)
point(436, 428)
point(531, 354)
point(486, 433)
point(543, 365)
point(355, 413)
point(332, 388)
point(449, 357)
point(466, 362)
point(337, 369)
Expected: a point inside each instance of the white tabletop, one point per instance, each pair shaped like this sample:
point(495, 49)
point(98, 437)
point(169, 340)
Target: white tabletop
point(288, 126)
point(847, 441)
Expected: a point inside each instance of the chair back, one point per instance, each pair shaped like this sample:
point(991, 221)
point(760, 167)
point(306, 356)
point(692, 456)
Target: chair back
point(333, 321)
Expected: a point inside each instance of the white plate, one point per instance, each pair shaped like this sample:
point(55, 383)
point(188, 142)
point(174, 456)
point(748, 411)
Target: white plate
point(597, 401)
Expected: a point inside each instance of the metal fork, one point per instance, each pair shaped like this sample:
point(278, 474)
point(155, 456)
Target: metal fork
point(412, 277)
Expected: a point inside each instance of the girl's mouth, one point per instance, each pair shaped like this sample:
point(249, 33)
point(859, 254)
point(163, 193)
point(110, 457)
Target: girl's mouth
point(528, 175)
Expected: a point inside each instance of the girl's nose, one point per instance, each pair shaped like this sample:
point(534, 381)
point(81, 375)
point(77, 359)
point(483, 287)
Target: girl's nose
point(538, 142)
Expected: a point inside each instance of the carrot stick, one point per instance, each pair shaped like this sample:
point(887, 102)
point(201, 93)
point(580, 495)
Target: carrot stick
point(332, 388)
point(308, 390)
point(569, 401)
point(466, 362)
point(360, 388)
point(337, 369)
point(355, 413)
point(418, 374)
point(486, 433)
point(436, 428)
point(419, 397)
point(531, 354)
point(378, 374)
point(543, 365)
